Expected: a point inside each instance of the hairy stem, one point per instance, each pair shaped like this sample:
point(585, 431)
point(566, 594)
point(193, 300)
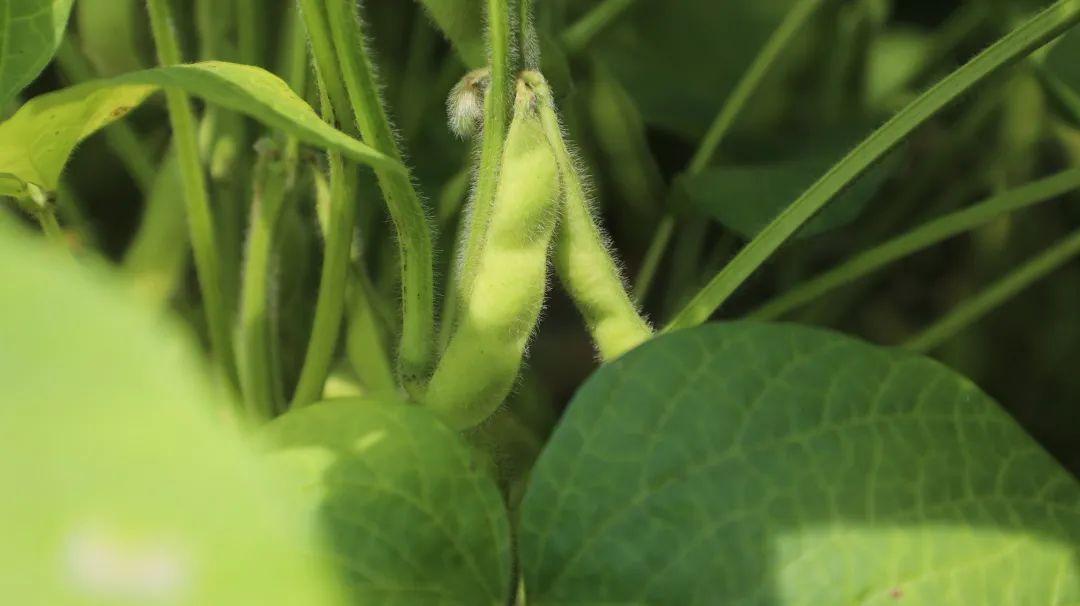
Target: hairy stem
point(200, 217)
point(1038, 31)
point(403, 201)
point(341, 219)
point(496, 115)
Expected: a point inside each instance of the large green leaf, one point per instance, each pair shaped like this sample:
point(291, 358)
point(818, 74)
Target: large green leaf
point(463, 23)
point(37, 141)
point(411, 516)
point(122, 484)
point(30, 31)
point(774, 464)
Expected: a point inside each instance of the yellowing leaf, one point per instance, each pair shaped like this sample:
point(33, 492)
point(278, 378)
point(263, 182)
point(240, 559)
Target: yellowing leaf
point(37, 141)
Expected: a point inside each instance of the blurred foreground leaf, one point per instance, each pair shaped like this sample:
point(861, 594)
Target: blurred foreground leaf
point(121, 486)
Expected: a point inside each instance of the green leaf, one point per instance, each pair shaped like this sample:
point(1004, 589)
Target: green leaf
point(37, 141)
point(752, 463)
point(1045, 26)
point(30, 31)
point(745, 198)
point(124, 484)
point(659, 56)
point(409, 513)
point(1062, 60)
point(462, 21)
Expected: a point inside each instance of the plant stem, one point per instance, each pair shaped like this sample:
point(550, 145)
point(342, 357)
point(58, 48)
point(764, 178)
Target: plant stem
point(921, 237)
point(46, 218)
point(200, 217)
point(653, 255)
point(1038, 31)
point(581, 33)
point(341, 219)
point(406, 211)
point(996, 294)
point(248, 20)
point(527, 38)
point(496, 114)
point(254, 333)
point(792, 24)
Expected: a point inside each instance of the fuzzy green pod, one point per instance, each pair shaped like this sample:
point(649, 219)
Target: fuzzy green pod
point(500, 311)
point(583, 260)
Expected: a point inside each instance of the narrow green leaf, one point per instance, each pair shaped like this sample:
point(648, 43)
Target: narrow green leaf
point(920, 238)
point(407, 510)
point(997, 294)
point(751, 463)
point(124, 484)
point(30, 31)
point(462, 21)
point(1035, 33)
point(37, 141)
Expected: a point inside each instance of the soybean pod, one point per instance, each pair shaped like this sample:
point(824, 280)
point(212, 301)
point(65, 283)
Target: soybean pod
point(583, 260)
point(500, 311)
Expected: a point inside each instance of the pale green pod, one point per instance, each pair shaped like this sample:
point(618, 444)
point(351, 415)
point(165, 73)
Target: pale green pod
point(500, 311)
point(583, 261)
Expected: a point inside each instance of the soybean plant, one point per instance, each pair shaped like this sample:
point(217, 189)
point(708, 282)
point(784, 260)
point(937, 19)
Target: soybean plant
point(417, 376)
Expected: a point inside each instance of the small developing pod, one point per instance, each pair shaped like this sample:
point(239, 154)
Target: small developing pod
point(499, 313)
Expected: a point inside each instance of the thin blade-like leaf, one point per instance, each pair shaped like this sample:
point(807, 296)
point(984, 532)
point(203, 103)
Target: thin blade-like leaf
point(1038, 31)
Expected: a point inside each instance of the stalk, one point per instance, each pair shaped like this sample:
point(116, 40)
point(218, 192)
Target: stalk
point(254, 333)
point(496, 115)
point(341, 220)
point(200, 217)
point(403, 201)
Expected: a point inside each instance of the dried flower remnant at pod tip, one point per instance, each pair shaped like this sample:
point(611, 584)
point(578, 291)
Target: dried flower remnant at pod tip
point(465, 105)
